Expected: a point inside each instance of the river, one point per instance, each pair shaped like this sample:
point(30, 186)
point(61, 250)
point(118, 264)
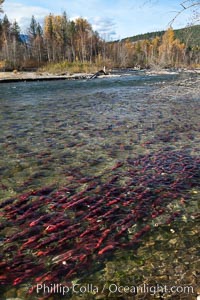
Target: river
point(95, 138)
point(43, 122)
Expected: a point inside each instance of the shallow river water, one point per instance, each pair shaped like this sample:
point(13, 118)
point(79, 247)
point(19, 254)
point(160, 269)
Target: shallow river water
point(65, 146)
point(47, 127)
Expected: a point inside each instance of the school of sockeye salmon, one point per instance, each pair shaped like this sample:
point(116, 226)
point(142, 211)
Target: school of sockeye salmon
point(51, 235)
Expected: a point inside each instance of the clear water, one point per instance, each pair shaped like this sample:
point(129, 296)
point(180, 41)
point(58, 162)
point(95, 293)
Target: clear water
point(46, 127)
point(52, 132)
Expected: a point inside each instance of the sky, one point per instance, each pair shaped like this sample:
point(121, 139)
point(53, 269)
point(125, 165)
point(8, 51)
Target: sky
point(113, 19)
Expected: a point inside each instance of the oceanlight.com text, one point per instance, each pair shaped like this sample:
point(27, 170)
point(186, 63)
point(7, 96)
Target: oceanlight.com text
point(113, 288)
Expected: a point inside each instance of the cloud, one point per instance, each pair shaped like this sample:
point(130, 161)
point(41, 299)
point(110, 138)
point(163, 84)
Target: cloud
point(105, 26)
point(113, 19)
point(23, 13)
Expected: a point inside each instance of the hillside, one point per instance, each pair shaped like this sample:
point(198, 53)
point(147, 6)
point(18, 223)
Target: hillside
point(189, 35)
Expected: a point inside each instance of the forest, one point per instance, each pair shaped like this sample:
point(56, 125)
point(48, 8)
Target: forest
point(189, 35)
point(62, 41)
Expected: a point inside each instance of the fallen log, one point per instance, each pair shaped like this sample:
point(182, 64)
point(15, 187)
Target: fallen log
point(100, 72)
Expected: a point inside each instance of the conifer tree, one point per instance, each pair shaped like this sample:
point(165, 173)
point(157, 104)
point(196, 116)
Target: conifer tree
point(32, 28)
point(1, 2)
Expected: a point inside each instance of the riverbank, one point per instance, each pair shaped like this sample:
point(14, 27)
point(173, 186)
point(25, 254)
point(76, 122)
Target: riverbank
point(41, 76)
point(32, 76)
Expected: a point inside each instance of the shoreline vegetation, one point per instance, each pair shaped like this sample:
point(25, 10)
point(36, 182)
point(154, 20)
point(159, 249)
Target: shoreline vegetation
point(17, 76)
point(62, 48)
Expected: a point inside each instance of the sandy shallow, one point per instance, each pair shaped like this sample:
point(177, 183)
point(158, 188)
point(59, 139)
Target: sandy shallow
point(18, 76)
point(8, 76)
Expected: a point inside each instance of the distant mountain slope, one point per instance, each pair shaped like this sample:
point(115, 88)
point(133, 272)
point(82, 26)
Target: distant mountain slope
point(189, 35)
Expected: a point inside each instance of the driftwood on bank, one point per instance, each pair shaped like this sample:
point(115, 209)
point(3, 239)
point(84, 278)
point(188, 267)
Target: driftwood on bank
point(33, 76)
point(100, 72)
point(6, 78)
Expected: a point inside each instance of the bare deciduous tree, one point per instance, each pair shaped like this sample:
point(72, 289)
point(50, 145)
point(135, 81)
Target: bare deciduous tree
point(186, 5)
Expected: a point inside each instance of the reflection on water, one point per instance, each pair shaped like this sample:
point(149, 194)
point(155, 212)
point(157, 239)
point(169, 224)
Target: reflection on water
point(52, 133)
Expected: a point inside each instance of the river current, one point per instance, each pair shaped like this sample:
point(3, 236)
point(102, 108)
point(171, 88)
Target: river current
point(127, 140)
point(48, 126)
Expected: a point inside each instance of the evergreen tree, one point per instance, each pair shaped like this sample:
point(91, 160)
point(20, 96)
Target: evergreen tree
point(6, 24)
point(39, 44)
point(64, 35)
point(15, 30)
point(72, 35)
point(32, 30)
point(1, 2)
